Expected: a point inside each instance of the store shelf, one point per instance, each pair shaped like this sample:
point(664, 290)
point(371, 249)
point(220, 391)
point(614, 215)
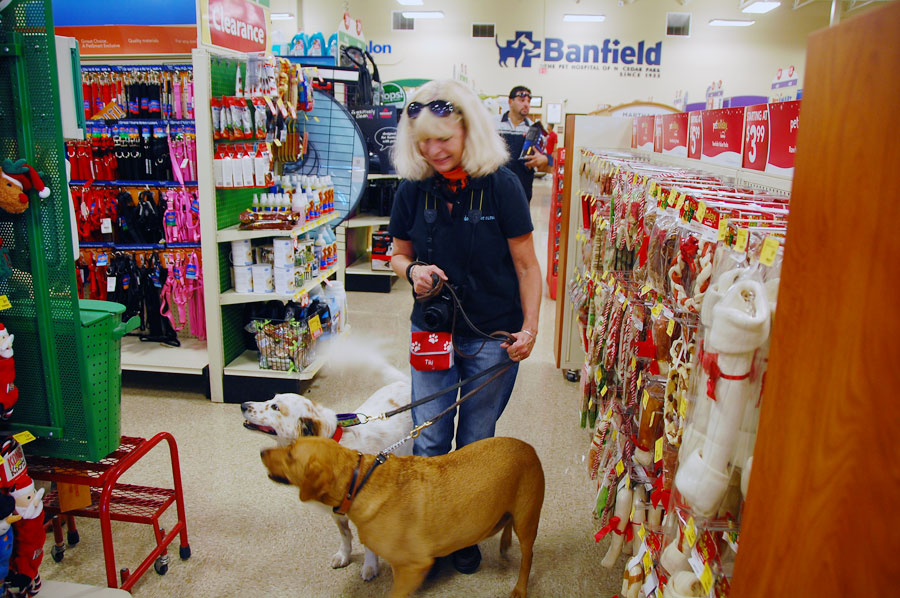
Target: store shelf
point(234, 233)
point(230, 297)
point(247, 364)
point(382, 176)
point(364, 221)
point(364, 266)
point(117, 183)
point(190, 358)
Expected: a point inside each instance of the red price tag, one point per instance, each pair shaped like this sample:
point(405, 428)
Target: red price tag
point(695, 135)
point(756, 137)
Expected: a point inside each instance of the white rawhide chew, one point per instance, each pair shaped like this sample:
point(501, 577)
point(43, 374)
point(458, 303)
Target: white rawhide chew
point(740, 325)
point(684, 584)
point(617, 536)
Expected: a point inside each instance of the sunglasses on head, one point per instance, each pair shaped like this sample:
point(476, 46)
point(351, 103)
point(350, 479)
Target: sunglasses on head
point(438, 108)
point(523, 94)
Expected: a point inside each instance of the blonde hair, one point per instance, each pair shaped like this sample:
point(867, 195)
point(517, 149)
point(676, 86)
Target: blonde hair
point(484, 151)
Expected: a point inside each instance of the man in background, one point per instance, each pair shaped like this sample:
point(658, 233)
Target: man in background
point(552, 140)
point(513, 126)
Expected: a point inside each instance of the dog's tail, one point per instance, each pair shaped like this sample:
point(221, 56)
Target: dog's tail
point(362, 354)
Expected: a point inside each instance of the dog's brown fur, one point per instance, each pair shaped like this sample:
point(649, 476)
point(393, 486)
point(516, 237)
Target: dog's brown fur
point(414, 509)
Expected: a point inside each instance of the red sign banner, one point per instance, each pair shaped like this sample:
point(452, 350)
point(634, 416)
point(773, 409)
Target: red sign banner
point(658, 133)
point(784, 122)
point(695, 134)
point(644, 132)
point(723, 132)
point(675, 134)
point(756, 137)
point(235, 24)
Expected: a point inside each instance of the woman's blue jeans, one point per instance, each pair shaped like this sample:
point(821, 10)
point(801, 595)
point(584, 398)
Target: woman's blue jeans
point(478, 415)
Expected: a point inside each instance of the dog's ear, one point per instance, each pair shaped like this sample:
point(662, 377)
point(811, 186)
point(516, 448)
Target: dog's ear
point(307, 426)
point(317, 479)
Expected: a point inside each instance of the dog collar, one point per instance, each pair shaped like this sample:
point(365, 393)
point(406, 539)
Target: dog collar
point(354, 490)
point(338, 433)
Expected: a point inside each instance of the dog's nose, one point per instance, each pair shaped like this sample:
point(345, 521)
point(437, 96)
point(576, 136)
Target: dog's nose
point(244, 407)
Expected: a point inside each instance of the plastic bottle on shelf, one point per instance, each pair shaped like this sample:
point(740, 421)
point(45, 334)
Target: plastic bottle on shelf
point(255, 205)
point(336, 297)
point(298, 202)
point(329, 194)
point(320, 252)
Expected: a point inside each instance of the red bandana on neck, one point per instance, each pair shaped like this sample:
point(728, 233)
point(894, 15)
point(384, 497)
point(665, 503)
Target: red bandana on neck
point(457, 179)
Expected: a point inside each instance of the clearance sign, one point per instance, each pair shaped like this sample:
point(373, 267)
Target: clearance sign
point(239, 25)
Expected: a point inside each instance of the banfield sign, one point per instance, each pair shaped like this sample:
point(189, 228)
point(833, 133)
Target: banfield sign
point(235, 24)
point(523, 48)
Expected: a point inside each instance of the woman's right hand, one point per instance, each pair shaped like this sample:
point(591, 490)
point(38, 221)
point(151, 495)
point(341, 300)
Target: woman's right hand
point(420, 274)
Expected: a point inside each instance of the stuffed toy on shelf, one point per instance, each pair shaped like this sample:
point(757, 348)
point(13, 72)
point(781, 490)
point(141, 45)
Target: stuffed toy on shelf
point(9, 394)
point(16, 178)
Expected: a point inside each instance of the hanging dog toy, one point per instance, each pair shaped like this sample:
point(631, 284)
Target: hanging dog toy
point(16, 178)
point(9, 394)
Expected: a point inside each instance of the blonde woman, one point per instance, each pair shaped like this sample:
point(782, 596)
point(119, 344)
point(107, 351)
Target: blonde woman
point(461, 216)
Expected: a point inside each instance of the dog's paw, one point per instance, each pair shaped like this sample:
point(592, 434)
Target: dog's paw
point(369, 571)
point(340, 559)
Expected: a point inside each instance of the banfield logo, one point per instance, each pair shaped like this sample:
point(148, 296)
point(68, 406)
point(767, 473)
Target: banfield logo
point(523, 48)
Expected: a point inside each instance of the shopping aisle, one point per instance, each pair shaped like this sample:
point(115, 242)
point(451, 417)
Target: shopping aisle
point(249, 535)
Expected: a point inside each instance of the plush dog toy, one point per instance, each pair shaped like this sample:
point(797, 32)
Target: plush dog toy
point(16, 178)
point(9, 394)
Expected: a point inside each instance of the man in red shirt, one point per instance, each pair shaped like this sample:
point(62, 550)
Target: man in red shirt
point(552, 138)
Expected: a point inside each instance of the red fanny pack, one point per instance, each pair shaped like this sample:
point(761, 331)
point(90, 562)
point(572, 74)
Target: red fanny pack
point(431, 351)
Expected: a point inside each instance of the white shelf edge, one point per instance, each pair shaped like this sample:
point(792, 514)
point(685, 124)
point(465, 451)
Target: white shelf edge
point(230, 297)
point(234, 233)
point(364, 221)
point(190, 358)
point(375, 175)
point(364, 266)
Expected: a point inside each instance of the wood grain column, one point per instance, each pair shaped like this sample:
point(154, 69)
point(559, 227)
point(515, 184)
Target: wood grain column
point(823, 503)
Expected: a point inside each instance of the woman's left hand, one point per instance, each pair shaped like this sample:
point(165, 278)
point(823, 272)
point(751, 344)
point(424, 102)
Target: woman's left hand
point(523, 346)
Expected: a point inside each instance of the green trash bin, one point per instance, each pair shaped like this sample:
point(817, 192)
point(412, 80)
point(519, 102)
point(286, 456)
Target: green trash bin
point(98, 433)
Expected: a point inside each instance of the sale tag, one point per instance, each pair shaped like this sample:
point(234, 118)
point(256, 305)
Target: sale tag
point(270, 105)
point(315, 326)
point(706, 578)
point(645, 400)
point(598, 376)
point(4, 302)
point(24, 437)
point(769, 251)
point(679, 200)
point(640, 375)
point(670, 327)
point(652, 187)
point(740, 242)
point(658, 450)
point(603, 391)
point(620, 467)
point(634, 363)
point(690, 532)
point(648, 563)
point(630, 515)
point(682, 407)
point(110, 284)
point(635, 179)
point(645, 289)
point(603, 224)
point(106, 226)
point(657, 309)
point(277, 142)
point(701, 211)
point(723, 229)
point(625, 305)
point(282, 108)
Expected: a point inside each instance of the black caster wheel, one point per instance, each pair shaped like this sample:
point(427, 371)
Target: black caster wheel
point(573, 375)
point(124, 574)
point(184, 552)
point(161, 565)
point(58, 553)
point(72, 538)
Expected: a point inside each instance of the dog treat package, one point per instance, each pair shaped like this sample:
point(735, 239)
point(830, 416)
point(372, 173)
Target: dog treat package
point(677, 281)
point(284, 345)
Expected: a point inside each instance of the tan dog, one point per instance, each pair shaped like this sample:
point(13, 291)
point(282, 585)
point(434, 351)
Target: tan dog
point(414, 509)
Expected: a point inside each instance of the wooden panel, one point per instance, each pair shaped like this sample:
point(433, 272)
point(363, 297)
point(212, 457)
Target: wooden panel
point(821, 516)
point(563, 269)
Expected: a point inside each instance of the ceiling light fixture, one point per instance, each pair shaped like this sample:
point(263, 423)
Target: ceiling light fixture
point(410, 2)
point(730, 23)
point(282, 16)
point(423, 14)
point(758, 7)
point(584, 18)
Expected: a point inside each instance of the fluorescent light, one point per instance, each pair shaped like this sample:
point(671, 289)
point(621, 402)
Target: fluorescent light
point(423, 14)
point(410, 2)
point(760, 7)
point(584, 18)
point(282, 16)
point(730, 23)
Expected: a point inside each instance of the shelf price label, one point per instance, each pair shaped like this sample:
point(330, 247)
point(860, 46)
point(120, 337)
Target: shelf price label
point(620, 467)
point(24, 437)
point(769, 251)
point(723, 229)
point(706, 578)
point(4, 302)
point(740, 242)
point(690, 532)
point(315, 326)
point(658, 450)
point(670, 327)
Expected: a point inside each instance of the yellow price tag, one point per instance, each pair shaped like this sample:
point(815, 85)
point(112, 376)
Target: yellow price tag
point(740, 242)
point(648, 563)
point(315, 326)
point(608, 415)
point(591, 403)
point(766, 255)
point(315, 118)
point(642, 532)
point(679, 200)
point(625, 305)
point(631, 515)
point(635, 179)
point(640, 375)
point(620, 467)
point(616, 173)
point(603, 391)
point(658, 450)
point(690, 532)
point(4, 302)
point(603, 224)
point(634, 364)
point(670, 327)
point(598, 376)
point(701, 211)
point(706, 578)
point(682, 407)
point(645, 289)
point(24, 437)
point(723, 229)
point(656, 310)
point(652, 187)
point(645, 400)
point(278, 142)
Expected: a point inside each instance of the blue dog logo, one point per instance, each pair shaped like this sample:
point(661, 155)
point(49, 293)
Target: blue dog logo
point(521, 49)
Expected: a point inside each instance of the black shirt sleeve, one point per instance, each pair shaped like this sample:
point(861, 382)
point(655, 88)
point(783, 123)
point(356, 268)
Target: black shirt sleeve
point(402, 211)
point(513, 213)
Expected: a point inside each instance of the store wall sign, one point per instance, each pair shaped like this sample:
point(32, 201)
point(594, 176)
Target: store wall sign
point(675, 134)
point(695, 134)
point(756, 137)
point(770, 137)
point(644, 133)
point(658, 133)
point(639, 60)
point(723, 134)
point(238, 25)
point(393, 95)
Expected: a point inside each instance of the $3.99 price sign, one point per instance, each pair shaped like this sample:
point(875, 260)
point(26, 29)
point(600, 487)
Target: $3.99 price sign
point(756, 137)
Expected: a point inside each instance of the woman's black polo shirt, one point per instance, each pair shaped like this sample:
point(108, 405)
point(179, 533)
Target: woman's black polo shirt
point(482, 265)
